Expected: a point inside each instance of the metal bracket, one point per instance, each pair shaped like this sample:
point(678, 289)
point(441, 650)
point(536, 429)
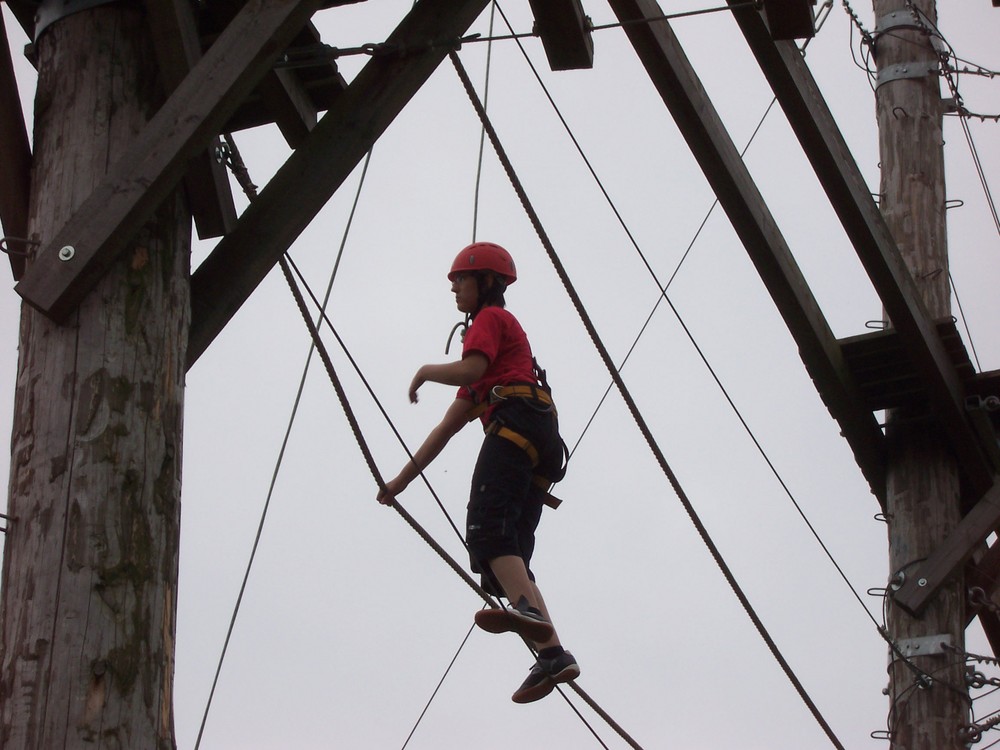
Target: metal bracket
point(901, 71)
point(898, 19)
point(928, 645)
point(50, 11)
point(903, 20)
point(989, 403)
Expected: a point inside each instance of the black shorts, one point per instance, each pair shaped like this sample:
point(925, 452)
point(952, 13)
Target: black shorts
point(504, 504)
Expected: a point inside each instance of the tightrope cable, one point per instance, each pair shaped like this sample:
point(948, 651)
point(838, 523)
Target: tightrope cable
point(631, 404)
point(349, 412)
point(243, 177)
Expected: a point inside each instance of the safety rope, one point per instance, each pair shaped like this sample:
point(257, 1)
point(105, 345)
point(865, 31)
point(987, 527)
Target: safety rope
point(369, 459)
point(631, 404)
point(362, 443)
point(243, 177)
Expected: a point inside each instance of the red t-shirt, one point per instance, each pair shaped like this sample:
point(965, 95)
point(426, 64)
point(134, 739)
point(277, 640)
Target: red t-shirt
point(497, 335)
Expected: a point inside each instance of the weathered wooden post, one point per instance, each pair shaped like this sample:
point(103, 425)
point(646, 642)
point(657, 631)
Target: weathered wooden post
point(90, 560)
point(923, 504)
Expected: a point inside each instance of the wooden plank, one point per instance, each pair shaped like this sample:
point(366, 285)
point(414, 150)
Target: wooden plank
point(886, 375)
point(927, 578)
point(565, 32)
point(304, 184)
point(790, 19)
point(711, 145)
point(156, 161)
point(824, 145)
point(289, 96)
point(293, 110)
point(15, 175)
point(178, 48)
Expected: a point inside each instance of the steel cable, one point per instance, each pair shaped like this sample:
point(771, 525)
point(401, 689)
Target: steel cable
point(630, 402)
point(240, 171)
point(369, 459)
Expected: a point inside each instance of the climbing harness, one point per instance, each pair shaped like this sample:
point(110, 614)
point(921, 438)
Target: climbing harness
point(537, 396)
point(530, 392)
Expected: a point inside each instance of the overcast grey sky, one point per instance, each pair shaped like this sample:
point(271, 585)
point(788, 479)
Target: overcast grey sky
point(349, 620)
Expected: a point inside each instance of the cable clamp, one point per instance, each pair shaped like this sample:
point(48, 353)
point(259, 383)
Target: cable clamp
point(928, 645)
point(898, 20)
point(903, 71)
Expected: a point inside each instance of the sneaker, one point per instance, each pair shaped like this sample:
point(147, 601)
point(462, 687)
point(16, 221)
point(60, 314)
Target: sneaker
point(526, 621)
point(545, 675)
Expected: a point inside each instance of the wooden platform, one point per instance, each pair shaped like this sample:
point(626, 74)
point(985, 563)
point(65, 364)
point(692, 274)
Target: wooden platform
point(885, 374)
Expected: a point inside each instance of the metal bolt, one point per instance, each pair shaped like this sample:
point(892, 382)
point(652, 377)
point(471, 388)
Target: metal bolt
point(67, 253)
point(921, 582)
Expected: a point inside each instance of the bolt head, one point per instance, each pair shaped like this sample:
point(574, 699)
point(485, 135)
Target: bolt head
point(67, 253)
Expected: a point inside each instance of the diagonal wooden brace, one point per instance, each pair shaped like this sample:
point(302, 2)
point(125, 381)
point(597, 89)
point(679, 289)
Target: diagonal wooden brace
point(178, 48)
point(314, 171)
point(824, 145)
point(678, 84)
point(153, 164)
point(918, 588)
point(15, 175)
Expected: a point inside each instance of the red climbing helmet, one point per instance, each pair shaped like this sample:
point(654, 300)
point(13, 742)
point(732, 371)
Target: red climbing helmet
point(484, 256)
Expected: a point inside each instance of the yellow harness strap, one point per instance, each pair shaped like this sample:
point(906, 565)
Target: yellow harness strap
point(524, 444)
point(501, 392)
point(516, 438)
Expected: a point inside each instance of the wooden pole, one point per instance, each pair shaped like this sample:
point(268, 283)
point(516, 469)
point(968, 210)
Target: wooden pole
point(88, 601)
point(929, 705)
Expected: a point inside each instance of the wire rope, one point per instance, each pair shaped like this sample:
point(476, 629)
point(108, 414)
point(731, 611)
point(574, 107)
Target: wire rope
point(633, 407)
point(664, 297)
point(475, 221)
point(438, 686)
point(237, 164)
point(345, 404)
point(482, 131)
point(286, 268)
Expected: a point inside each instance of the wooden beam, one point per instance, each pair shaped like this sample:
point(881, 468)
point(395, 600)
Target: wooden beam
point(824, 145)
point(24, 12)
point(156, 161)
point(175, 38)
point(15, 175)
point(926, 579)
point(565, 32)
point(293, 110)
point(790, 19)
point(290, 96)
point(711, 145)
point(304, 184)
